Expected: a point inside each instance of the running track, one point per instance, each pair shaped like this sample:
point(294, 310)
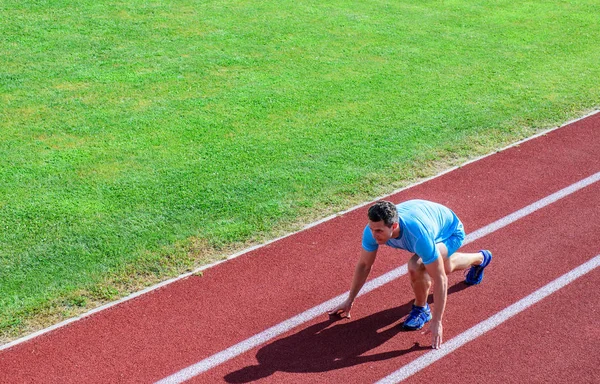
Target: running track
point(203, 329)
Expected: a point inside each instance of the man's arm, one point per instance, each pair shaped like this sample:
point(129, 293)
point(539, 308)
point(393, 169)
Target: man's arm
point(361, 272)
point(440, 292)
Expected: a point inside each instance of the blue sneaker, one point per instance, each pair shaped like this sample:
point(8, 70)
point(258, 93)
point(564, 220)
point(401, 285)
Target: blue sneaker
point(475, 274)
point(417, 317)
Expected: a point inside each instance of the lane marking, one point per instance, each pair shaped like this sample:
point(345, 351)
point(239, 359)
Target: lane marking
point(489, 324)
point(270, 333)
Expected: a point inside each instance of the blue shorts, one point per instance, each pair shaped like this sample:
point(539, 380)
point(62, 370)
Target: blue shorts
point(455, 241)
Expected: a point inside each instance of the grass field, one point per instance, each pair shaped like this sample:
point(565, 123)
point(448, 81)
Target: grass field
point(141, 139)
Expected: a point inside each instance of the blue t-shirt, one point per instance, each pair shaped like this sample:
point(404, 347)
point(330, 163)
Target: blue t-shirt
point(423, 224)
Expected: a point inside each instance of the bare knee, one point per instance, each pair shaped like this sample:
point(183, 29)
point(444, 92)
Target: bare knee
point(416, 268)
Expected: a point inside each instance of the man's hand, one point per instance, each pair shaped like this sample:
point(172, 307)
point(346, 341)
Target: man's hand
point(343, 308)
point(436, 330)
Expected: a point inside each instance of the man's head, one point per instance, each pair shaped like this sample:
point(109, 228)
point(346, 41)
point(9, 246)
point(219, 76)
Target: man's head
point(384, 211)
point(383, 220)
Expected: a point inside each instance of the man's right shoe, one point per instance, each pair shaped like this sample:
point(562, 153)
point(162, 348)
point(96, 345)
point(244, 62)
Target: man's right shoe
point(475, 274)
point(417, 318)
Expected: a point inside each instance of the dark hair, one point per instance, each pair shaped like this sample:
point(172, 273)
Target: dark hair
point(384, 210)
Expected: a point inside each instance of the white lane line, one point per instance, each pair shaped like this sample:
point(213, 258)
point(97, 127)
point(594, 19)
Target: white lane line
point(268, 334)
point(489, 324)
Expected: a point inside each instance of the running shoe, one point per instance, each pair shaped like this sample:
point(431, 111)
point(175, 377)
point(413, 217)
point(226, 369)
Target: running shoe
point(475, 274)
point(417, 317)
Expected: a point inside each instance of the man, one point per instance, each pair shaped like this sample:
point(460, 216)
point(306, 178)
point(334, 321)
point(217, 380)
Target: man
point(433, 233)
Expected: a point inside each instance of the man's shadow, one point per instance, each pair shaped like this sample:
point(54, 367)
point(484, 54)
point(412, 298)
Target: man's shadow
point(321, 348)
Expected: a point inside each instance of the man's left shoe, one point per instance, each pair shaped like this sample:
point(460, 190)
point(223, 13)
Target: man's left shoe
point(475, 274)
point(417, 318)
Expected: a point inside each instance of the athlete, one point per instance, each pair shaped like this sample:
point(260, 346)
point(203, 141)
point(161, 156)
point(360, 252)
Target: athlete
point(433, 233)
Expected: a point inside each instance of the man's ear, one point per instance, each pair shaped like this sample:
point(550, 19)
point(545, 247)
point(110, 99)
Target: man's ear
point(394, 226)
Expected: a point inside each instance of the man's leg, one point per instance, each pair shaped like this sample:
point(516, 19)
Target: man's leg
point(420, 281)
point(419, 278)
point(459, 261)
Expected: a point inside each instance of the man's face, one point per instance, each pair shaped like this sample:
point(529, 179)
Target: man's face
point(381, 232)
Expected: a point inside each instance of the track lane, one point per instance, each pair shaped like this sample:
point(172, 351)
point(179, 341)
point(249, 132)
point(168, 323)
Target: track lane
point(556, 341)
point(372, 346)
point(155, 335)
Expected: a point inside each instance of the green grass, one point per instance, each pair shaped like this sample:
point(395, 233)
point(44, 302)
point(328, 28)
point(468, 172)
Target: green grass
point(140, 139)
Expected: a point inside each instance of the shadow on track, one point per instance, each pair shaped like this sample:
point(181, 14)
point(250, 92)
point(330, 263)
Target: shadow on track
point(321, 348)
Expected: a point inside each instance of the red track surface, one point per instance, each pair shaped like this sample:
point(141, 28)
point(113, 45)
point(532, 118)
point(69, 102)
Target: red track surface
point(556, 340)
